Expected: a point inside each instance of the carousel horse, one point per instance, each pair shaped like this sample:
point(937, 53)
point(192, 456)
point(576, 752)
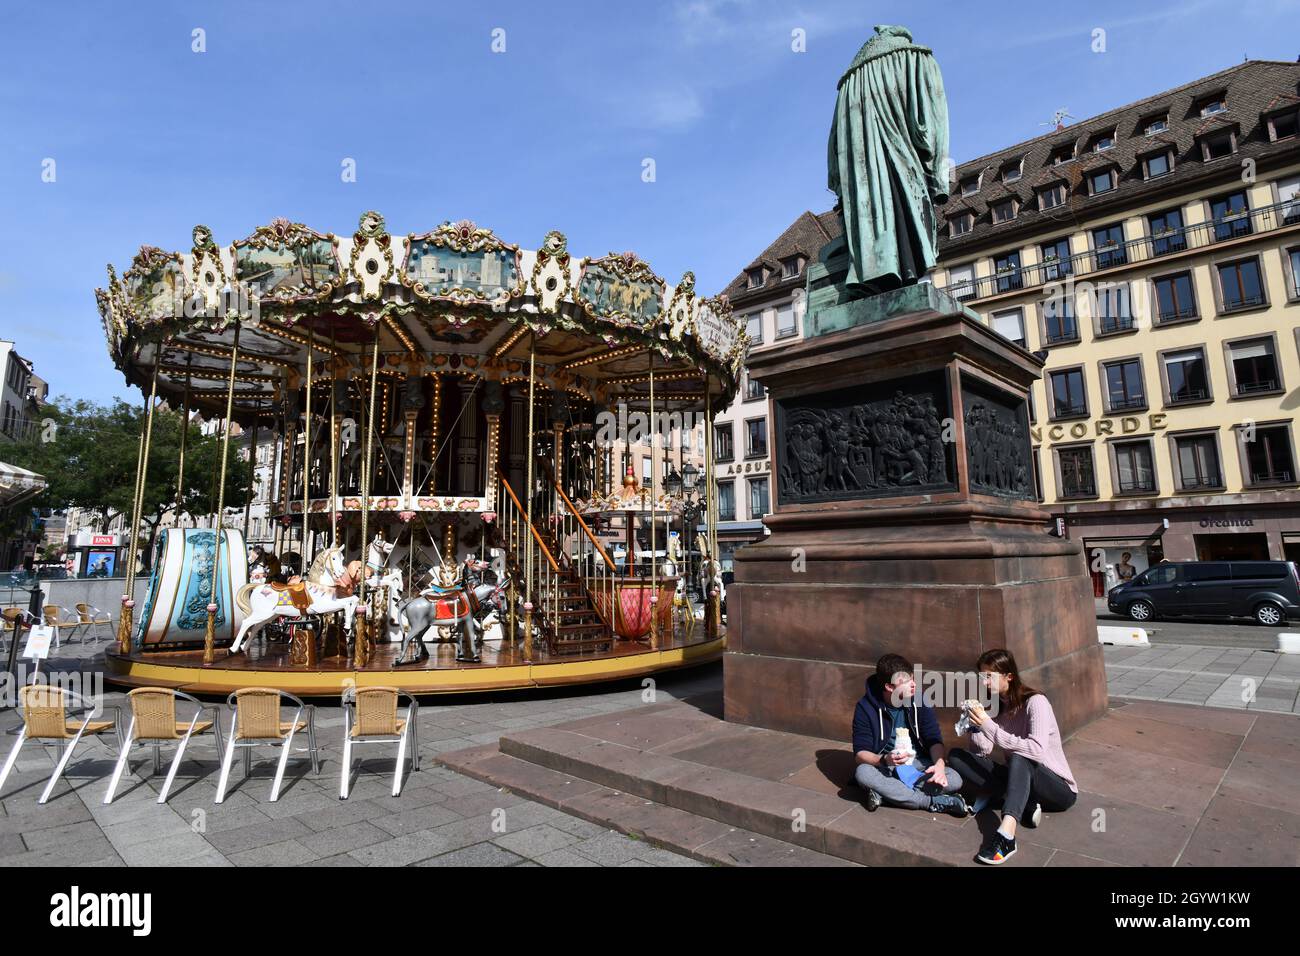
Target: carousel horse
point(317, 595)
point(447, 604)
point(486, 600)
point(379, 575)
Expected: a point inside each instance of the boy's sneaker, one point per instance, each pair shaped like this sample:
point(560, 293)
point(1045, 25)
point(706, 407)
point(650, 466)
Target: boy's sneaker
point(949, 803)
point(997, 849)
point(873, 801)
point(1033, 815)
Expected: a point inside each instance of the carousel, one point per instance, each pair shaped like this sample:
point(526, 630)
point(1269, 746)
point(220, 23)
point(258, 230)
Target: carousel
point(453, 497)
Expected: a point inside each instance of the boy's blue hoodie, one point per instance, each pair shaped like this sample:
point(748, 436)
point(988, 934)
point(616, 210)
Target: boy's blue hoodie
point(873, 726)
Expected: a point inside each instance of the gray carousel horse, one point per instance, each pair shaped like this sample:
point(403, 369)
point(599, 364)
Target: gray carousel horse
point(444, 604)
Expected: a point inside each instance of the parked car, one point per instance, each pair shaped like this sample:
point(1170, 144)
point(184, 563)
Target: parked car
point(1268, 591)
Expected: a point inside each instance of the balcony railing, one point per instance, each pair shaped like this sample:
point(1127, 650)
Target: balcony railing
point(1201, 481)
point(1188, 395)
point(1134, 251)
point(1257, 386)
point(1271, 477)
point(1127, 404)
point(1069, 411)
point(1115, 323)
point(1136, 486)
point(1177, 315)
point(1244, 302)
point(1066, 335)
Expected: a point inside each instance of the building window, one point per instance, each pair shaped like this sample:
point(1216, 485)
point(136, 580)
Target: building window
point(1062, 155)
point(785, 324)
point(1215, 105)
point(1059, 324)
point(1186, 376)
point(755, 278)
point(961, 281)
point(961, 224)
point(1231, 215)
point(1004, 211)
point(1134, 470)
point(1288, 197)
point(1156, 125)
point(1103, 142)
point(1052, 196)
point(1112, 308)
point(1011, 172)
point(1007, 268)
point(1293, 261)
point(1068, 397)
point(1175, 301)
point(726, 501)
point(1268, 456)
point(1167, 233)
point(1254, 367)
point(1010, 325)
point(1108, 243)
point(790, 267)
point(758, 498)
point(1283, 125)
point(756, 438)
point(1101, 181)
point(723, 442)
point(1157, 164)
point(754, 328)
point(1056, 259)
point(1240, 284)
point(1124, 388)
point(1197, 457)
point(970, 185)
point(1218, 145)
point(1077, 478)
point(753, 390)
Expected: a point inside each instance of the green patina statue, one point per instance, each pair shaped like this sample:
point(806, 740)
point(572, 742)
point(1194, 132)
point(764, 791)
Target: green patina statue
point(888, 161)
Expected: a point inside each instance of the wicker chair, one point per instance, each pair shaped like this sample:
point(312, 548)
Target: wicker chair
point(13, 616)
point(370, 717)
point(154, 723)
point(94, 620)
point(49, 714)
point(256, 723)
point(59, 617)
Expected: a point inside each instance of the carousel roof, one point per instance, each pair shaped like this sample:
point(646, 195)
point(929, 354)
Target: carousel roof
point(456, 300)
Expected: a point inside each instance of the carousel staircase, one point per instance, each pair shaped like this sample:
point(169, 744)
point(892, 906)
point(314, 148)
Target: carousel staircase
point(563, 607)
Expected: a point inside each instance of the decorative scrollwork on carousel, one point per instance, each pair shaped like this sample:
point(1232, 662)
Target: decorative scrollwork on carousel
point(155, 285)
point(463, 263)
point(550, 281)
point(622, 289)
point(681, 307)
point(285, 263)
point(371, 246)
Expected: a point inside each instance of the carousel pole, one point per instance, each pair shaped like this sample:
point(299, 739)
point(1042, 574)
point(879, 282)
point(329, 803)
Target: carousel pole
point(137, 505)
point(252, 474)
point(528, 549)
point(654, 470)
point(335, 424)
point(210, 636)
point(710, 623)
point(361, 651)
point(306, 454)
point(185, 431)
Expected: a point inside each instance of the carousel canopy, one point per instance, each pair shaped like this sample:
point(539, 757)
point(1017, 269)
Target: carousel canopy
point(456, 300)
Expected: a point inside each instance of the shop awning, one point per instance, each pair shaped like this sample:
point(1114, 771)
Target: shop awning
point(18, 484)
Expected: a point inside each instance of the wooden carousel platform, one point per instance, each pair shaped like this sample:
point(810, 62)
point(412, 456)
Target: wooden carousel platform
point(502, 668)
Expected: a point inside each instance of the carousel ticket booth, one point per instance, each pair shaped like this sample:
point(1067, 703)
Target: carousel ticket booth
point(444, 490)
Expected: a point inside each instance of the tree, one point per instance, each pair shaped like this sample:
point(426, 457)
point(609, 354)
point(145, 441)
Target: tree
point(90, 456)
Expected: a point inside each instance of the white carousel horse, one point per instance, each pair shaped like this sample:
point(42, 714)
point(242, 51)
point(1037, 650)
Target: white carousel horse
point(380, 575)
point(262, 602)
point(445, 604)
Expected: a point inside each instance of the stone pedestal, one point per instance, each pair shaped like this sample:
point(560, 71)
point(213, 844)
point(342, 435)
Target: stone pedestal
point(905, 520)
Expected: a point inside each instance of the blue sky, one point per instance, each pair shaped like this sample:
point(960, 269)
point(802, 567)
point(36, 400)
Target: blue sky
point(150, 137)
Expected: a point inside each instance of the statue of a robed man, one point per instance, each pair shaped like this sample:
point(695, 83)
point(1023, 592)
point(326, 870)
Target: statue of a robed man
point(887, 160)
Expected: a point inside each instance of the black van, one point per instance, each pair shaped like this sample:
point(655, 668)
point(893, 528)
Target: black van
point(1268, 591)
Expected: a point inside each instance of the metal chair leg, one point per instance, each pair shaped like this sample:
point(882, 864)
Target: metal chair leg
point(225, 763)
point(13, 756)
point(346, 778)
point(63, 762)
point(400, 763)
point(176, 763)
point(311, 739)
point(123, 758)
point(285, 749)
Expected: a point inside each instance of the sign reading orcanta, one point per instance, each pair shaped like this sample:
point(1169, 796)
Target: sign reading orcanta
point(717, 333)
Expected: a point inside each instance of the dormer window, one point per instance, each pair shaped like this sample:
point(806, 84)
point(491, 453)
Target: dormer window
point(1216, 104)
point(961, 224)
point(970, 185)
point(1052, 196)
point(1283, 125)
point(1011, 172)
point(1004, 211)
point(1101, 181)
point(755, 278)
point(1155, 165)
point(1103, 142)
point(790, 266)
point(1156, 124)
point(1218, 145)
point(1062, 155)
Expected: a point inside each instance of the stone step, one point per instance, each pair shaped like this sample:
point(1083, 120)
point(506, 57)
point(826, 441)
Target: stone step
point(826, 823)
point(700, 838)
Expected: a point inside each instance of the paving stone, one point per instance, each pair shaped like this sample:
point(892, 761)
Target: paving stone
point(477, 854)
point(285, 853)
point(417, 818)
point(564, 858)
point(536, 840)
point(344, 839)
point(258, 834)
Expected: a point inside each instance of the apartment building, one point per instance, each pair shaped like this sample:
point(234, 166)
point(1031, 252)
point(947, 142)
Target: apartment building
point(1151, 256)
point(769, 295)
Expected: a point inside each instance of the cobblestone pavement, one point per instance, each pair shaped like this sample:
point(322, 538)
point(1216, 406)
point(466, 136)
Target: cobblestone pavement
point(1241, 677)
point(441, 818)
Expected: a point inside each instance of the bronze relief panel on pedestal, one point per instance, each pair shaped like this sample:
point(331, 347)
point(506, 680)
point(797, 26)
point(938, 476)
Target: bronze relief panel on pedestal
point(997, 442)
point(873, 440)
